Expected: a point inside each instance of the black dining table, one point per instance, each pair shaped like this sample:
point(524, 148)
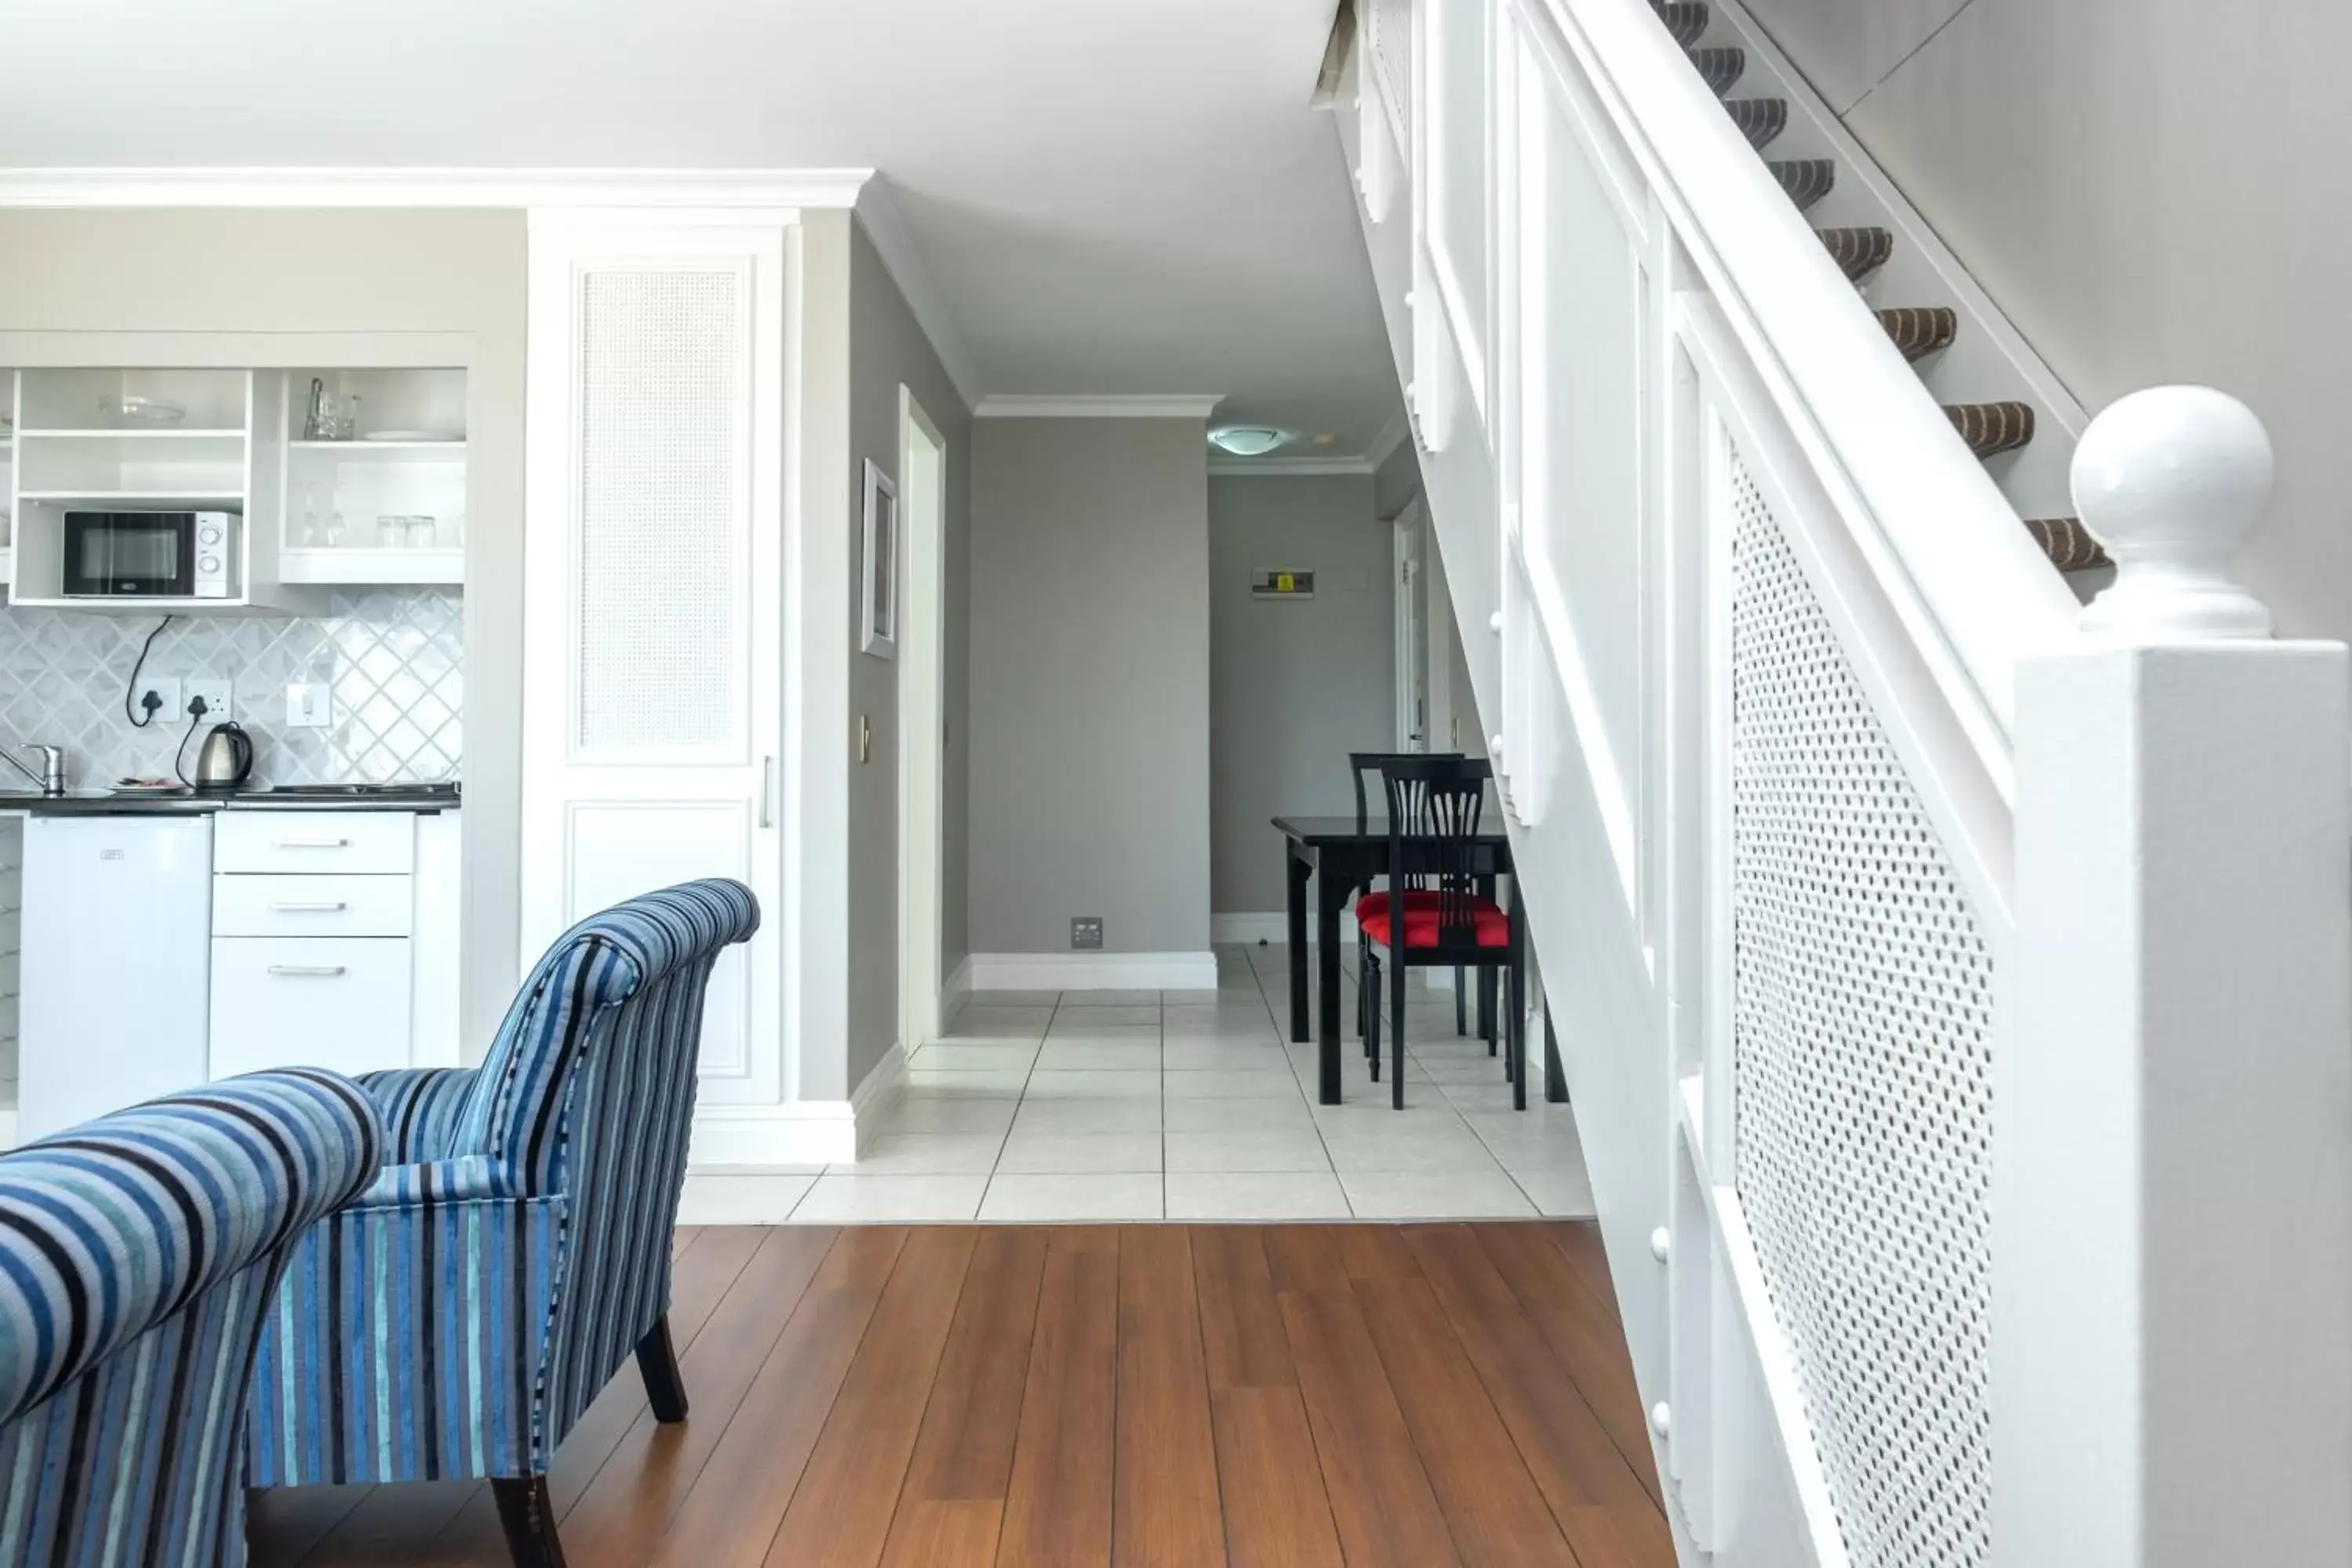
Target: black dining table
point(1340, 858)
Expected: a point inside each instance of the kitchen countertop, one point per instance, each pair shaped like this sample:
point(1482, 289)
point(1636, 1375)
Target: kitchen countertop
point(107, 803)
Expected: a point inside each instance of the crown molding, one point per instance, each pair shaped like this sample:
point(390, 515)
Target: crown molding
point(1289, 467)
point(1117, 405)
point(1392, 435)
point(886, 226)
point(706, 189)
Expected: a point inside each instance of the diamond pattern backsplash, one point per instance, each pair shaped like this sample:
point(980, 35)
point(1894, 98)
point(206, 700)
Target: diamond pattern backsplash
point(395, 657)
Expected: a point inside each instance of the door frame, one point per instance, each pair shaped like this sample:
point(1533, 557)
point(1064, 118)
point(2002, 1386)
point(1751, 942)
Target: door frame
point(923, 712)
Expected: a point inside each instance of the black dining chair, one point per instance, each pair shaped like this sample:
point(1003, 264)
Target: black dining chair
point(1363, 766)
point(1434, 805)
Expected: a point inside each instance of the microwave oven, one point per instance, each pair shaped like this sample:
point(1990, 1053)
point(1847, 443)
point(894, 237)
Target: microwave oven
point(148, 554)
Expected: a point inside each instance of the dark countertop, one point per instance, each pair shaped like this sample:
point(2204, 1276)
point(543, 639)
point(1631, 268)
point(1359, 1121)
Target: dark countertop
point(182, 803)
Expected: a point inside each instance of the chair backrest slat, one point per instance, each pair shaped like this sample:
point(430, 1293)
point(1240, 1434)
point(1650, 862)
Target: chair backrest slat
point(1434, 802)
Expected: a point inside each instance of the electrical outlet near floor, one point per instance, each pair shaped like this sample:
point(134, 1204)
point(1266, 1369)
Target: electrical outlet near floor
point(166, 693)
point(219, 694)
point(1086, 933)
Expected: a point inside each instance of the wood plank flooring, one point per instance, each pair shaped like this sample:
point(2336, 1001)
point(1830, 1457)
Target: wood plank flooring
point(1134, 1396)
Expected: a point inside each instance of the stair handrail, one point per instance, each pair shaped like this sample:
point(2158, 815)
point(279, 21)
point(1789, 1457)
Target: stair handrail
point(1883, 449)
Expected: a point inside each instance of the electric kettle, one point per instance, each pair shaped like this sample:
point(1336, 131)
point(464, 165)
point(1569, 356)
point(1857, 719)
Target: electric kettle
point(226, 759)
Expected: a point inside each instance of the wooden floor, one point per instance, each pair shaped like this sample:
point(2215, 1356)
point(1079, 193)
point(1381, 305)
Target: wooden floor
point(1051, 1397)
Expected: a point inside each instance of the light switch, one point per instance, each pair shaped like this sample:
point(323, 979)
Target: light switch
point(308, 705)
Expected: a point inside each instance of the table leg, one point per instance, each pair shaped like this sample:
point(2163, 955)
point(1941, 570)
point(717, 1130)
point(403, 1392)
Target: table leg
point(1301, 869)
point(1330, 893)
point(1555, 1075)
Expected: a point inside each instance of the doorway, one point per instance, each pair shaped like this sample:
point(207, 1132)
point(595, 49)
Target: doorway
point(922, 714)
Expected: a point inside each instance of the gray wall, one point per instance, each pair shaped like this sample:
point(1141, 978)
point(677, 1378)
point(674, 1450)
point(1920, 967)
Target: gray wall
point(2151, 190)
point(244, 289)
point(1293, 686)
point(1089, 683)
point(887, 349)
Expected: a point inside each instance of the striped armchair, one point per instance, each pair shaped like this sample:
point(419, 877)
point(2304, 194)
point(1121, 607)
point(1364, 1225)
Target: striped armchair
point(456, 1319)
point(137, 1255)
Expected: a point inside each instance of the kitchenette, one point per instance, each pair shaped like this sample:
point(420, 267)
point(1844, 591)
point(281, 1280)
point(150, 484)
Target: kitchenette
point(232, 671)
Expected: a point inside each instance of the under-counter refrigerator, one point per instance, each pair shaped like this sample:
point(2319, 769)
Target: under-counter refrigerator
point(117, 964)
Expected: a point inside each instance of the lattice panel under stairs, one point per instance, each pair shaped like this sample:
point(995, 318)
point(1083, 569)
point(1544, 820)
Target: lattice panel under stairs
point(663, 496)
point(1861, 1024)
point(1388, 51)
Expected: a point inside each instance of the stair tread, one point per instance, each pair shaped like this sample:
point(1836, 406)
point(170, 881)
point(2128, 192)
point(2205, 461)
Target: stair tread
point(1920, 330)
point(1686, 21)
point(1858, 251)
point(1807, 180)
point(1758, 119)
point(2067, 542)
point(1992, 428)
point(1720, 67)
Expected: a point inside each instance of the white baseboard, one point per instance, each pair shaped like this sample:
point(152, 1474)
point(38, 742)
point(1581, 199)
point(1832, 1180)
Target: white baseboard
point(801, 1132)
point(1094, 971)
point(884, 1084)
point(1271, 928)
point(957, 986)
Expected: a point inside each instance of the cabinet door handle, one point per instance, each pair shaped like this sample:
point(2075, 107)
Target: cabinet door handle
point(308, 970)
point(286, 907)
point(314, 844)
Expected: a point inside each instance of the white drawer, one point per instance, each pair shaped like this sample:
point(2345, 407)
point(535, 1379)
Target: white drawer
point(313, 906)
point(323, 1001)
point(311, 841)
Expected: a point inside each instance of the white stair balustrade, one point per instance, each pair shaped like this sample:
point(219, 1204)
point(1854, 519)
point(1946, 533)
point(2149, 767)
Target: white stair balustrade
point(1928, 995)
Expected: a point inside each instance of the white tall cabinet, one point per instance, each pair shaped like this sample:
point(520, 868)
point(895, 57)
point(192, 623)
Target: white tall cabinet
point(654, 599)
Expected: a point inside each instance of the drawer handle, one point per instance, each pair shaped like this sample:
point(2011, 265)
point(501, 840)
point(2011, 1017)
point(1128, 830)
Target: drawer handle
point(286, 907)
point(308, 970)
point(314, 844)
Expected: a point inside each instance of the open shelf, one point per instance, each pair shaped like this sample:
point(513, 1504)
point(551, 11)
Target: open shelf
point(340, 565)
point(450, 449)
point(152, 501)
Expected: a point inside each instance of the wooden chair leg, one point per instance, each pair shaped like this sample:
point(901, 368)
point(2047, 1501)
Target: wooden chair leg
point(1396, 1029)
point(529, 1522)
point(658, 1363)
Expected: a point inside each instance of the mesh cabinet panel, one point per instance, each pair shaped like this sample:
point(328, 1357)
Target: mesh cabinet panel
point(663, 509)
point(1862, 1022)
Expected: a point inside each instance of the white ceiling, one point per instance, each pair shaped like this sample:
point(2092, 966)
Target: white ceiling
point(1110, 196)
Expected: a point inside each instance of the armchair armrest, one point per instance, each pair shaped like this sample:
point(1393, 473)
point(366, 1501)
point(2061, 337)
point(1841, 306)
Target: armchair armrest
point(420, 1107)
point(467, 1178)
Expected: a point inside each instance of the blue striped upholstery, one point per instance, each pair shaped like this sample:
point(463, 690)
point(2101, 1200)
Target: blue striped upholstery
point(455, 1320)
point(137, 1255)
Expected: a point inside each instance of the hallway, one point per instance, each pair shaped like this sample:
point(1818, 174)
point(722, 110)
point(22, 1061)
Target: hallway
point(1188, 1396)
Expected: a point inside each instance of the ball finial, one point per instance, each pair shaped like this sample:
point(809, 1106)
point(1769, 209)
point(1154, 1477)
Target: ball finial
point(2170, 480)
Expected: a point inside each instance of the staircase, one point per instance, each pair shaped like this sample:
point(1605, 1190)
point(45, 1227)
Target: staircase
point(1907, 908)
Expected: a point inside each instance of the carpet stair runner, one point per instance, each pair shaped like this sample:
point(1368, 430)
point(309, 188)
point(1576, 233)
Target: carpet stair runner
point(1989, 428)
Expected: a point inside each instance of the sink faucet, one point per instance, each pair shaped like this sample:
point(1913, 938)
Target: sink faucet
point(52, 776)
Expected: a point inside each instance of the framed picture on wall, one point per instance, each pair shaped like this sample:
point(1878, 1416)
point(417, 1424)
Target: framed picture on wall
point(880, 632)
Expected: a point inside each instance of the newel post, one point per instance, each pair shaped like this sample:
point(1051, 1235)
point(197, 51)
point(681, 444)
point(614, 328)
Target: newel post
point(2172, 1224)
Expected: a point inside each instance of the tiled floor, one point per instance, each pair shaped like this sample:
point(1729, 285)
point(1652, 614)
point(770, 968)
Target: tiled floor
point(1192, 1106)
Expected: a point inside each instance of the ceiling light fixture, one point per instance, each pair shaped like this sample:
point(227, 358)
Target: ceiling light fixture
point(1247, 440)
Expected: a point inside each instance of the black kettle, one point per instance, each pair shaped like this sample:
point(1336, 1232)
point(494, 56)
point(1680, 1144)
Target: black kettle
point(226, 759)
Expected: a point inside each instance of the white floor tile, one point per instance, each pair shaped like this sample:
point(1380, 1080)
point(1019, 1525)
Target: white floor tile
point(875, 1200)
point(1241, 984)
point(726, 1198)
point(922, 1110)
point(1094, 1084)
point(1052, 1199)
point(1220, 1019)
point(1399, 1153)
point(1558, 1192)
point(952, 1082)
point(1226, 1055)
point(1064, 1153)
point(1090, 1054)
point(1272, 1081)
point(1270, 1112)
point(956, 1057)
point(1013, 999)
point(1112, 999)
point(1396, 1194)
point(1131, 1115)
point(1257, 1196)
point(1081, 1019)
point(1000, 1023)
point(1250, 1149)
point(927, 1154)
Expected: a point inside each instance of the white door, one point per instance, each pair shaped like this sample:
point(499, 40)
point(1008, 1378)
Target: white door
point(922, 628)
point(652, 643)
point(1411, 635)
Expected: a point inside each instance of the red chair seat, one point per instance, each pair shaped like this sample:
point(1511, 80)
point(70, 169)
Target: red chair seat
point(1372, 904)
point(1492, 926)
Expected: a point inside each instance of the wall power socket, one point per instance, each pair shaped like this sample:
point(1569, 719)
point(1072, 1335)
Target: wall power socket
point(219, 694)
point(166, 692)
